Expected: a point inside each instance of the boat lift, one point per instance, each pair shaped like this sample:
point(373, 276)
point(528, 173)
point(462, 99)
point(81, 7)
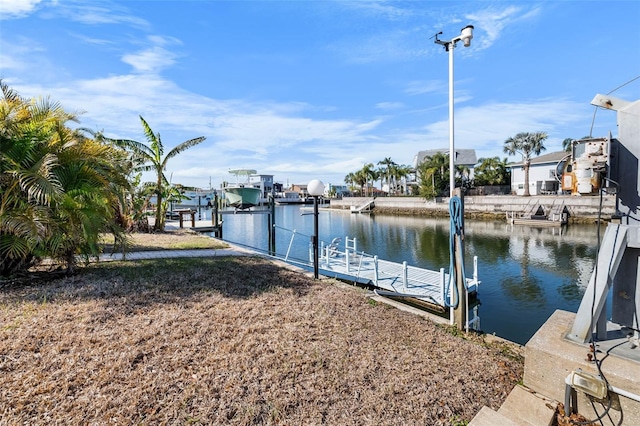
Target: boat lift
point(617, 273)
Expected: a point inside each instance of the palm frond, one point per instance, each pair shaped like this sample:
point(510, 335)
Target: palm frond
point(138, 149)
point(183, 146)
point(154, 140)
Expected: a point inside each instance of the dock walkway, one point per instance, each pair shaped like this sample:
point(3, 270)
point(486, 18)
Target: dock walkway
point(405, 281)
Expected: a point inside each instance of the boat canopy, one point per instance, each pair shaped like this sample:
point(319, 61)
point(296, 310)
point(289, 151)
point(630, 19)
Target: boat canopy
point(243, 172)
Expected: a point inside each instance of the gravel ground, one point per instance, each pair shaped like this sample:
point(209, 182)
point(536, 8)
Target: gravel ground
point(233, 341)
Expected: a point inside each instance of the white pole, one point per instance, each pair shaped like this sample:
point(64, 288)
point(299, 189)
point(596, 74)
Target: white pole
point(452, 164)
point(452, 152)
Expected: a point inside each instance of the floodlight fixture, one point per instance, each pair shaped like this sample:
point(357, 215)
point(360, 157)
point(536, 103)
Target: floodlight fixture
point(315, 188)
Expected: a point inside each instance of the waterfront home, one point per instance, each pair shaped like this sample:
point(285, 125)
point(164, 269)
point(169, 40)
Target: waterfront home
point(544, 174)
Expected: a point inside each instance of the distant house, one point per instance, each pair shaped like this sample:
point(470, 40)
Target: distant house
point(464, 157)
point(300, 189)
point(337, 190)
point(542, 174)
point(264, 182)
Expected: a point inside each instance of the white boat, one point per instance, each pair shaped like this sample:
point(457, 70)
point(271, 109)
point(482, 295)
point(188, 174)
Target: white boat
point(289, 197)
point(242, 195)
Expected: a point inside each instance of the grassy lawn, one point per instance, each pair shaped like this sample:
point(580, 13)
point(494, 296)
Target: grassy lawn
point(232, 341)
point(171, 240)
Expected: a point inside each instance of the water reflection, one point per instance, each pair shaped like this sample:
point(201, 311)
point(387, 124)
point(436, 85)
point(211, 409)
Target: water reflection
point(527, 273)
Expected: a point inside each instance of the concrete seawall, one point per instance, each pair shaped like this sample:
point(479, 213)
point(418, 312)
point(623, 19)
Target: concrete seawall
point(495, 206)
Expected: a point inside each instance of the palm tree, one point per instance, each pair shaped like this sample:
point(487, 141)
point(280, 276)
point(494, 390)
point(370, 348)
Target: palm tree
point(399, 172)
point(369, 174)
point(93, 176)
point(388, 163)
point(428, 182)
point(374, 175)
point(464, 172)
point(381, 173)
point(149, 159)
point(361, 178)
point(433, 173)
point(350, 180)
point(58, 189)
point(526, 144)
point(492, 171)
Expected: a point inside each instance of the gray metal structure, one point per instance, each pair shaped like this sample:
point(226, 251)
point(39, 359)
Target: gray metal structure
point(617, 271)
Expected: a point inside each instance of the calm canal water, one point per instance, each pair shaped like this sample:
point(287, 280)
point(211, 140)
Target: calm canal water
point(526, 273)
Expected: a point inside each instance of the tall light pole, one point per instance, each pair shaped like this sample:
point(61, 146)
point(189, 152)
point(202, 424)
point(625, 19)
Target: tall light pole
point(465, 35)
point(315, 188)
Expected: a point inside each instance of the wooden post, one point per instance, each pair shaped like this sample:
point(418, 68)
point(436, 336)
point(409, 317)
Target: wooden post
point(461, 312)
point(215, 218)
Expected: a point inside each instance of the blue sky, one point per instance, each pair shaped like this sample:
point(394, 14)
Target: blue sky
point(316, 89)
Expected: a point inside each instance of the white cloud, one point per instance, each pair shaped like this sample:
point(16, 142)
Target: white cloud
point(154, 58)
point(422, 87)
point(492, 23)
point(163, 40)
point(261, 135)
point(22, 55)
point(292, 140)
point(94, 14)
point(389, 105)
point(11, 9)
point(381, 9)
point(395, 45)
point(486, 127)
point(284, 138)
point(151, 60)
point(92, 40)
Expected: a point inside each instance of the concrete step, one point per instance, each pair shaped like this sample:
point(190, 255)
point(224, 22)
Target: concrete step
point(522, 407)
point(527, 408)
point(487, 417)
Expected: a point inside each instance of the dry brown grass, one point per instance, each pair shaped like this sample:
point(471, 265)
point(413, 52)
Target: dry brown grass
point(171, 240)
point(231, 341)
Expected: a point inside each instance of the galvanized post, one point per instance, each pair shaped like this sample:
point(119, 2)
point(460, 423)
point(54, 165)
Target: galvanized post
point(443, 285)
point(272, 227)
point(405, 278)
point(375, 276)
point(460, 313)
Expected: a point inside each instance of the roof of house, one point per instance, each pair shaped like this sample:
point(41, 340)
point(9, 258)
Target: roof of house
point(466, 157)
point(552, 157)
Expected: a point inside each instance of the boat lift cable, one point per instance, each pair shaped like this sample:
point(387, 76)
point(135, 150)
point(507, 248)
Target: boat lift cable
point(593, 120)
point(455, 233)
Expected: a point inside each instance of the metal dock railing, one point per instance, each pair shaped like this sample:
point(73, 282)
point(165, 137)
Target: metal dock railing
point(392, 279)
point(400, 278)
